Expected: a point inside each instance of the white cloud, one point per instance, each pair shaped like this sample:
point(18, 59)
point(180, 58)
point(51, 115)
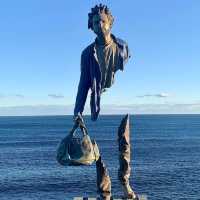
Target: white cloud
point(11, 95)
point(56, 96)
point(19, 96)
point(163, 95)
point(160, 95)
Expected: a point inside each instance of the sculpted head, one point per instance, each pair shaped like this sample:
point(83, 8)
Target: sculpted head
point(100, 20)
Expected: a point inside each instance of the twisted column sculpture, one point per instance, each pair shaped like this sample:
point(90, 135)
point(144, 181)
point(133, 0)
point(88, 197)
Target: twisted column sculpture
point(124, 158)
point(103, 180)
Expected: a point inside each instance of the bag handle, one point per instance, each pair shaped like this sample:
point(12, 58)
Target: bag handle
point(79, 123)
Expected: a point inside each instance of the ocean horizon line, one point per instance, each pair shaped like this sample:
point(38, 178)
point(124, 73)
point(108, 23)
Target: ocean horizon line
point(88, 115)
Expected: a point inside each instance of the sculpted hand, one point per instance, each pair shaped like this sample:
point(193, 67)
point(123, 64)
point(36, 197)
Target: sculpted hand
point(78, 119)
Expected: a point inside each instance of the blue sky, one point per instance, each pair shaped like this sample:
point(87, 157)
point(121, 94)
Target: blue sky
point(41, 43)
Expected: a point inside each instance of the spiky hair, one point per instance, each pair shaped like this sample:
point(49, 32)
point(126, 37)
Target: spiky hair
point(98, 9)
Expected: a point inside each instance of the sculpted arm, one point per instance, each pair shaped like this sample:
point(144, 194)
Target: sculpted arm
point(83, 87)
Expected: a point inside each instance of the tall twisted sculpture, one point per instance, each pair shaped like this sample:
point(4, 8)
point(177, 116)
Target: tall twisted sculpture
point(103, 180)
point(124, 158)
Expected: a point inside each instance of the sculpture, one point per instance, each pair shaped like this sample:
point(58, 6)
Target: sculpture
point(103, 179)
point(124, 157)
point(99, 61)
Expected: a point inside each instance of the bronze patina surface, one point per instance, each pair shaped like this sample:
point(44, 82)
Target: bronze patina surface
point(124, 157)
point(103, 180)
point(99, 61)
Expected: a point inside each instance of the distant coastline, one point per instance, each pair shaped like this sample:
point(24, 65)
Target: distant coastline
point(106, 109)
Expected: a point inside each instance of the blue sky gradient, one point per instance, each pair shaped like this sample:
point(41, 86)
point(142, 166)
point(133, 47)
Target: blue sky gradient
point(41, 43)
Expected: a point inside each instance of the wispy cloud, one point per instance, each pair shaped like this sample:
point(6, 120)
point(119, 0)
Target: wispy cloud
point(19, 95)
point(11, 95)
point(56, 96)
point(160, 95)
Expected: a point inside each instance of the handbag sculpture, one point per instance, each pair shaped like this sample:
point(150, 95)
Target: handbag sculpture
point(74, 150)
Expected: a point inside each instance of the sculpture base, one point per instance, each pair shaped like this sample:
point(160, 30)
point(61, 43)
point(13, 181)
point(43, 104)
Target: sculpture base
point(141, 197)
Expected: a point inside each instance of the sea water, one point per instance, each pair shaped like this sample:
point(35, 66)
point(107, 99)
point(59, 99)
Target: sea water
point(165, 157)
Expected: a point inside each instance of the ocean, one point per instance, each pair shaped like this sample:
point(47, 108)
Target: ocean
point(165, 157)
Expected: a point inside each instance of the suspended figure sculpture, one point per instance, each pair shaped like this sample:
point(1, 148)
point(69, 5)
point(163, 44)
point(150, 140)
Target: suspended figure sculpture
point(99, 63)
